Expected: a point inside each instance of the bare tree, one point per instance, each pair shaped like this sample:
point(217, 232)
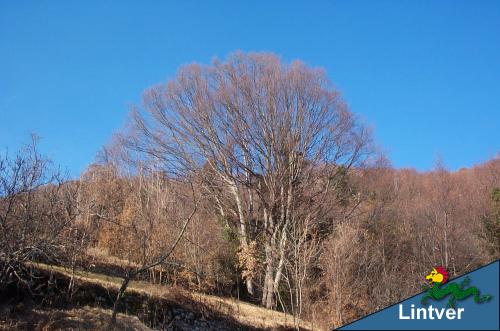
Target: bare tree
point(266, 131)
point(147, 266)
point(37, 210)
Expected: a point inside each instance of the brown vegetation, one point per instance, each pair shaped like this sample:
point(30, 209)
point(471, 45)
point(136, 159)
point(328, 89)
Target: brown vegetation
point(85, 318)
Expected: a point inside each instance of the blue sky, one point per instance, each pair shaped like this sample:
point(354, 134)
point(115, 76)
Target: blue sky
point(424, 74)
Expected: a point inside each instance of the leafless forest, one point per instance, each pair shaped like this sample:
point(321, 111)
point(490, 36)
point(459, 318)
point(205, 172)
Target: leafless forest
point(249, 178)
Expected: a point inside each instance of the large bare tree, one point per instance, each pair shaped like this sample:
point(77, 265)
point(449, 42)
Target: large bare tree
point(270, 141)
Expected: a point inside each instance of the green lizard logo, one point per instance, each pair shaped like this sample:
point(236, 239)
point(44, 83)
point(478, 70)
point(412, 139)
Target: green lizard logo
point(437, 291)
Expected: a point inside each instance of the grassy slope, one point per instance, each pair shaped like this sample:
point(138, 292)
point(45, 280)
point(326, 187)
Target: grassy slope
point(84, 318)
point(244, 313)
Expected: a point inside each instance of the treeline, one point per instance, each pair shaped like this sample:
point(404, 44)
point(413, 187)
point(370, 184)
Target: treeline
point(251, 178)
point(392, 227)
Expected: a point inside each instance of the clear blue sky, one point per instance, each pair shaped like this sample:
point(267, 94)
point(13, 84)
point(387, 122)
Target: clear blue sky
point(424, 74)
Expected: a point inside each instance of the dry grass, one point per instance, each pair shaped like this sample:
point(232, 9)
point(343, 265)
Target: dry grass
point(103, 256)
point(242, 312)
point(85, 318)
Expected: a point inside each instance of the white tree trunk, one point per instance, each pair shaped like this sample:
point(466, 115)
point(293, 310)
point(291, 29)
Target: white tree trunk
point(243, 230)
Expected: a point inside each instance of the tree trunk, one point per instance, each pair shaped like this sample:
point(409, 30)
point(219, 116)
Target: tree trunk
point(267, 288)
point(243, 230)
point(119, 296)
point(446, 239)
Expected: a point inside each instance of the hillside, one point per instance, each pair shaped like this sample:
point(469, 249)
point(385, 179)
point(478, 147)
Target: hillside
point(156, 306)
point(85, 318)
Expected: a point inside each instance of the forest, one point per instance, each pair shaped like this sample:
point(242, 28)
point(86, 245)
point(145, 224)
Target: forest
point(249, 178)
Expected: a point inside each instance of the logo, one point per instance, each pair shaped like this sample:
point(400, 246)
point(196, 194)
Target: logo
point(436, 290)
